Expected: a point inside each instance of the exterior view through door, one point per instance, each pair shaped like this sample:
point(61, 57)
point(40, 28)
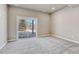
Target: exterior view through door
point(26, 27)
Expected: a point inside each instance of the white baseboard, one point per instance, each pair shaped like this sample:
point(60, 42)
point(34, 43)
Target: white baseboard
point(3, 45)
point(40, 35)
point(10, 40)
point(44, 35)
point(55, 35)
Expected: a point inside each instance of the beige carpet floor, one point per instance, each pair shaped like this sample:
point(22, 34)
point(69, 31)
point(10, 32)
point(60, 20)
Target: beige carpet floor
point(43, 45)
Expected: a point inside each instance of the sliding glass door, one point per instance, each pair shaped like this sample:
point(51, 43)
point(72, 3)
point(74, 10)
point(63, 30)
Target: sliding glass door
point(27, 28)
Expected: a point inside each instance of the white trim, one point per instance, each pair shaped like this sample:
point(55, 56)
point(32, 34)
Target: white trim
point(17, 21)
point(36, 27)
point(55, 35)
point(44, 35)
point(12, 40)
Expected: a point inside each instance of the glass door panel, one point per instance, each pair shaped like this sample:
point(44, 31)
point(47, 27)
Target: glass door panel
point(27, 28)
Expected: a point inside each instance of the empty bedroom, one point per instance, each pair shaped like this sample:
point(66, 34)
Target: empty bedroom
point(39, 29)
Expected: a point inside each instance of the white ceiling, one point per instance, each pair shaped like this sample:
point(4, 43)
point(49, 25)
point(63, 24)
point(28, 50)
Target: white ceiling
point(47, 8)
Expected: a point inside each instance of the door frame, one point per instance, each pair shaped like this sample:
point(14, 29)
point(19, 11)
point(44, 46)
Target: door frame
point(17, 26)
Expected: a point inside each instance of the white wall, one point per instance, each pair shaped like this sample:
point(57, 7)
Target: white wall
point(65, 23)
point(43, 21)
point(3, 25)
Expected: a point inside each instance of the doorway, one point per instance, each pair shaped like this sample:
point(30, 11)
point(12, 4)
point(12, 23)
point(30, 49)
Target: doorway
point(26, 27)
